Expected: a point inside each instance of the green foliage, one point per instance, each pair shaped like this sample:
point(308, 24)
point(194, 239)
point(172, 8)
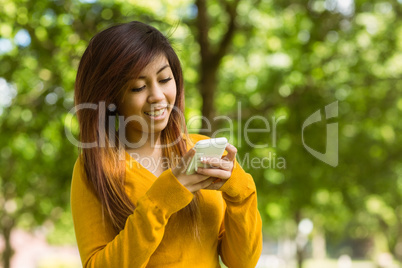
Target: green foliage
point(37, 73)
point(287, 60)
point(293, 58)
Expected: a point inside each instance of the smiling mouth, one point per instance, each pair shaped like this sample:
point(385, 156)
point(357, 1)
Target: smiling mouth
point(156, 113)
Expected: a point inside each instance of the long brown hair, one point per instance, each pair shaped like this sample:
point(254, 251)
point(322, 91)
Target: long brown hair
point(112, 58)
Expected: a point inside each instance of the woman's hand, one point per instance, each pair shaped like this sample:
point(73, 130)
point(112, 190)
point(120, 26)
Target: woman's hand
point(192, 182)
point(223, 168)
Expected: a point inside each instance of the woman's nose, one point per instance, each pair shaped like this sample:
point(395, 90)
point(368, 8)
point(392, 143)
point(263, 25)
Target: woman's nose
point(156, 94)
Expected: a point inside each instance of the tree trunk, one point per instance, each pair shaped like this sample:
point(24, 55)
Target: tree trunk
point(211, 57)
point(396, 249)
point(300, 257)
point(299, 248)
point(207, 88)
point(8, 225)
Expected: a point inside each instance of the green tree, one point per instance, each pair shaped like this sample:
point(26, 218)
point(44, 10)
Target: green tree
point(278, 60)
point(42, 42)
point(297, 59)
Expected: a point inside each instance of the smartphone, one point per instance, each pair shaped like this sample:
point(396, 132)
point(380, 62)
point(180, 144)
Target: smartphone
point(206, 148)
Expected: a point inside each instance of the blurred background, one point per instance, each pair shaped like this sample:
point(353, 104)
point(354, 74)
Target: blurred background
point(277, 62)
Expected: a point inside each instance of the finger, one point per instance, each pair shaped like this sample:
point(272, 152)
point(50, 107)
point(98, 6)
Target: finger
point(185, 161)
point(201, 185)
point(205, 183)
point(215, 172)
point(218, 163)
point(197, 178)
point(190, 180)
point(216, 185)
point(232, 151)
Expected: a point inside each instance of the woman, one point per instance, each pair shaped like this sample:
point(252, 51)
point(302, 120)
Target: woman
point(130, 214)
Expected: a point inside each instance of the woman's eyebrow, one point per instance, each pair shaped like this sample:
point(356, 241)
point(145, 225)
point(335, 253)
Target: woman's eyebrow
point(160, 70)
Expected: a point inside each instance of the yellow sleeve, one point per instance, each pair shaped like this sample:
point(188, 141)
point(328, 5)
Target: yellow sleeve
point(240, 237)
point(100, 246)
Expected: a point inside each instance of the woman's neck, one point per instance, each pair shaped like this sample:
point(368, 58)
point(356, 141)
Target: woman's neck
point(149, 154)
point(146, 145)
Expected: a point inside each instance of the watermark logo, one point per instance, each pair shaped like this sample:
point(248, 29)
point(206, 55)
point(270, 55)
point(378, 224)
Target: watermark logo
point(331, 152)
point(113, 126)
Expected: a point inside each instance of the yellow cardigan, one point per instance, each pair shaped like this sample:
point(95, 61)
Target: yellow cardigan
point(230, 224)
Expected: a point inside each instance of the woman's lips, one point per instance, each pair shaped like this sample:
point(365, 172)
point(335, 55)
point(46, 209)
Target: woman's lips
point(157, 115)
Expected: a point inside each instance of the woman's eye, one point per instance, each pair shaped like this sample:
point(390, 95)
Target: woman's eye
point(166, 80)
point(137, 89)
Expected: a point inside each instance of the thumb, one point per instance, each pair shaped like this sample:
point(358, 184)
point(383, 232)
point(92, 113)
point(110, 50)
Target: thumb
point(185, 161)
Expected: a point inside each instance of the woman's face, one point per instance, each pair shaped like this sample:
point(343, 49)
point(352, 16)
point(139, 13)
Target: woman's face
point(149, 99)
